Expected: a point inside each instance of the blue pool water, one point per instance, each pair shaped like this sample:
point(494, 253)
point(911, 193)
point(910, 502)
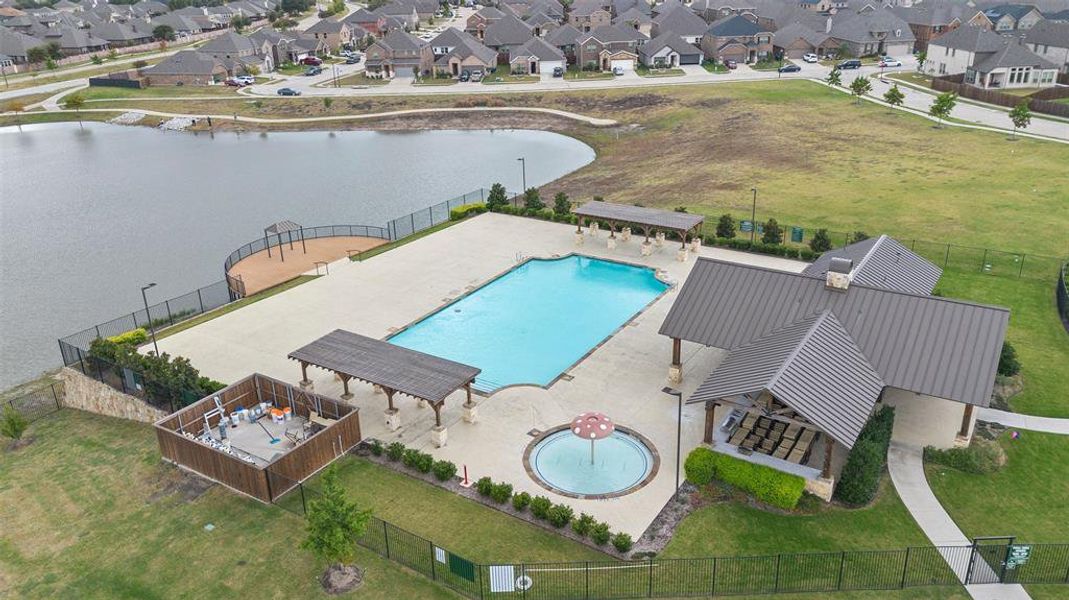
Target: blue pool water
point(532, 323)
point(563, 462)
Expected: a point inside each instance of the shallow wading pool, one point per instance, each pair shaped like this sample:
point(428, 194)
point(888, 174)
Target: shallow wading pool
point(570, 465)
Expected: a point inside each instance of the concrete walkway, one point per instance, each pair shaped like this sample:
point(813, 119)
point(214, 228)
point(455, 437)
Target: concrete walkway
point(1042, 424)
point(906, 465)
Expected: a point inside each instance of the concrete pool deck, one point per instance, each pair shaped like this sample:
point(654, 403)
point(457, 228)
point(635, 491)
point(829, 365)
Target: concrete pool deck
point(623, 377)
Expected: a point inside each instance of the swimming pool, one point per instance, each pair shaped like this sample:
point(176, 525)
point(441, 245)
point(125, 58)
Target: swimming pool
point(569, 465)
point(537, 320)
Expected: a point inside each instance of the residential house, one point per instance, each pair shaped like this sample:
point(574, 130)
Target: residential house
point(932, 18)
point(536, 56)
point(669, 50)
point(335, 34)
point(1061, 16)
point(16, 45)
point(506, 33)
point(67, 6)
point(609, 47)
point(988, 60)
point(1050, 40)
point(373, 23)
point(564, 39)
point(403, 12)
point(456, 51)
point(481, 19)
point(636, 19)
point(796, 40)
point(238, 53)
point(118, 35)
point(587, 15)
point(399, 54)
point(817, 6)
point(541, 23)
point(303, 46)
point(681, 22)
point(1013, 17)
point(736, 38)
point(877, 32)
point(277, 43)
point(187, 67)
point(182, 26)
point(75, 41)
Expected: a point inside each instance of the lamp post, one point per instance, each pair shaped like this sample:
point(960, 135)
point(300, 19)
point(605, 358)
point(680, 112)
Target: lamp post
point(679, 429)
point(753, 217)
point(148, 316)
point(523, 170)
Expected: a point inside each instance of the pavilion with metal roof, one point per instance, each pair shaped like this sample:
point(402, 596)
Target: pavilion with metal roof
point(392, 368)
point(645, 219)
point(284, 228)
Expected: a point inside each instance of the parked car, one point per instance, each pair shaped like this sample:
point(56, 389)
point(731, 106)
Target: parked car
point(233, 83)
point(289, 92)
point(791, 68)
point(352, 60)
point(465, 75)
point(617, 71)
point(477, 76)
point(731, 64)
point(558, 71)
point(887, 61)
point(245, 79)
point(849, 64)
point(809, 57)
point(310, 71)
point(312, 61)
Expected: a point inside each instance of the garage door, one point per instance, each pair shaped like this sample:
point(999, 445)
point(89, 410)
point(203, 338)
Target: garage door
point(690, 59)
point(626, 65)
point(548, 65)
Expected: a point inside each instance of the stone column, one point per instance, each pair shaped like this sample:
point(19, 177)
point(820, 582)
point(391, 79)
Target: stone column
point(439, 436)
point(579, 239)
point(660, 239)
point(695, 244)
point(611, 243)
point(393, 419)
point(681, 255)
point(647, 248)
point(675, 370)
point(625, 234)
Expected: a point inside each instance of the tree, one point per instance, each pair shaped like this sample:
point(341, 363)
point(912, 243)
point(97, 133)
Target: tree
point(284, 23)
point(834, 78)
point(1021, 116)
point(942, 105)
point(252, 70)
point(16, 106)
point(497, 198)
point(51, 65)
point(240, 23)
point(858, 236)
point(561, 204)
point(725, 227)
point(820, 242)
point(532, 201)
point(327, 102)
point(37, 54)
point(1008, 365)
point(75, 102)
point(163, 33)
point(922, 57)
point(773, 233)
point(54, 51)
point(96, 59)
point(335, 523)
point(13, 424)
point(894, 96)
point(860, 86)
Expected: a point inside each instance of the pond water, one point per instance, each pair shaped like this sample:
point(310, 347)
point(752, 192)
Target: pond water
point(88, 215)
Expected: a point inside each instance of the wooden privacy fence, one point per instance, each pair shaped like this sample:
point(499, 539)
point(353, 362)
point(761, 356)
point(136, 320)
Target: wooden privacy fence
point(178, 436)
point(953, 83)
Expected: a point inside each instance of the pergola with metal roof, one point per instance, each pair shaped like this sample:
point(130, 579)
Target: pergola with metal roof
point(392, 368)
point(284, 228)
point(642, 218)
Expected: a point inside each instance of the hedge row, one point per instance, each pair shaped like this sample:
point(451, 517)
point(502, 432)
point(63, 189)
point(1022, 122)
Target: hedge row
point(860, 478)
point(773, 249)
point(466, 210)
point(443, 470)
point(768, 485)
point(979, 457)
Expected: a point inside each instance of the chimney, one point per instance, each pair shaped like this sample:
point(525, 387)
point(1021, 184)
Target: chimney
point(838, 277)
point(827, 26)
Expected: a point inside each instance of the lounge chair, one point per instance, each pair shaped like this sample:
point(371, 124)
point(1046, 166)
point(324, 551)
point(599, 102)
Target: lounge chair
point(792, 431)
point(737, 437)
point(783, 450)
point(749, 421)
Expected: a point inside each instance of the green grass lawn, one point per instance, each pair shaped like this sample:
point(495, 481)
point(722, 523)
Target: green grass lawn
point(573, 73)
point(1035, 331)
point(714, 67)
point(645, 71)
point(504, 74)
point(731, 528)
point(361, 79)
point(168, 91)
point(1026, 498)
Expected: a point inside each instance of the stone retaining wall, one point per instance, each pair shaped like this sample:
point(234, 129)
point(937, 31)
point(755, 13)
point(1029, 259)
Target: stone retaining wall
point(88, 394)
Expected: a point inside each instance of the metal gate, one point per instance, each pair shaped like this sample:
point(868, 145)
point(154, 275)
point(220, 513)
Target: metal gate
point(988, 560)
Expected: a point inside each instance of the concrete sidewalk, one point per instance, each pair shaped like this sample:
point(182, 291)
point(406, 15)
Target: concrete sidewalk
point(1042, 424)
point(906, 465)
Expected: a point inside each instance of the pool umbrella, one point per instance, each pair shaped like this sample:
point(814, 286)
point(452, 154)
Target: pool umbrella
point(592, 426)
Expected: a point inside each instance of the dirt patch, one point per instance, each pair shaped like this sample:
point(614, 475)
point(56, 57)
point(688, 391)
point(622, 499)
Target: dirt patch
point(175, 482)
point(619, 103)
point(1006, 388)
point(711, 103)
point(18, 444)
point(339, 579)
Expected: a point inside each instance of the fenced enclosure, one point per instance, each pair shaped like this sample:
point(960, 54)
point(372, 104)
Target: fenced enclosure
point(36, 403)
point(310, 233)
point(1062, 294)
point(954, 83)
point(811, 572)
point(405, 226)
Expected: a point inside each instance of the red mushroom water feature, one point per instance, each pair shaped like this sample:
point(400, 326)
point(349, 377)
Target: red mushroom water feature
point(592, 426)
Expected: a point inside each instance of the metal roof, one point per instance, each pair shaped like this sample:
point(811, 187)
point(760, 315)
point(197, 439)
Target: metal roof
point(281, 227)
point(653, 217)
point(790, 363)
point(411, 372)
point(925, 344)
point(883, 263)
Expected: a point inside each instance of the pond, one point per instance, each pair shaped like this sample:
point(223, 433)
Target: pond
point(89, 215)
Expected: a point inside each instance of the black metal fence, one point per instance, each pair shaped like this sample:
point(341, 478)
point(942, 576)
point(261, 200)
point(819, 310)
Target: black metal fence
point(429, 217)
point(1062, 294)
point(711, 576)
point(310, 233)
point(35, 404)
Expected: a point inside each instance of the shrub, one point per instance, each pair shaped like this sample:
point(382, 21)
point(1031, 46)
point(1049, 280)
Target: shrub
point(979, 457)
point(560, 515)
point(465, 210)
point(497, 198)
point(501, 492)
point(725, 227)
point(1008, 365)
point(395, 450)
point(13, 424)
point(773, 233)
point(622, 542)
point(599, 534)
point(532, 200)
point(583, 525)
point(409, 457)
point(540, 506)
point(166, 378)
point(134, 337)
point(860, 478)
point(807, 254)
point(820, 242)
point(768, 485)
point(424, 462)
point(561, 204)
point(858, 236)
point(484, 486)
point(521, 501)
point(444, 470)
point(376, 447)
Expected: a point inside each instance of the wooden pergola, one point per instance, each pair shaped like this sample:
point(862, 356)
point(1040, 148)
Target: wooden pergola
point(392, 368)
point(277, 230)
point(686, 225)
